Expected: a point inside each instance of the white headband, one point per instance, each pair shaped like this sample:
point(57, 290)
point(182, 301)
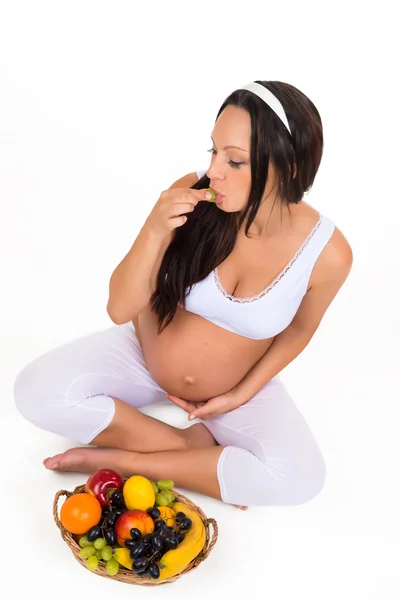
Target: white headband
point(269, 99)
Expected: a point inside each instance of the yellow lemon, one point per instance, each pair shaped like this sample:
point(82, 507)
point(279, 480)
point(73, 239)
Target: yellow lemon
point(138, 493)
point(167, 515)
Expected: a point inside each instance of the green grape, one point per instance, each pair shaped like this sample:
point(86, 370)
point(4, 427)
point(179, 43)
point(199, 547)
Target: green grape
point(169, 495)
point(98, 554)
point(161, 499)
point(92, 563)
point(84, 542)
point(106, 553)
point(171, 505)
point(99, 543)
point(112, 566)
point(165, 484)
point(87, 551)
point(213, 194)
point(155, 486)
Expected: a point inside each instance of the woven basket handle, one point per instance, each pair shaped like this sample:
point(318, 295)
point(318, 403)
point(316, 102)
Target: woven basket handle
point(212, 522)
point(55, 508)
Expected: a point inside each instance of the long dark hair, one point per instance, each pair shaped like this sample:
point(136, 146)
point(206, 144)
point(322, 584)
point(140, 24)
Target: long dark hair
point(209, 235)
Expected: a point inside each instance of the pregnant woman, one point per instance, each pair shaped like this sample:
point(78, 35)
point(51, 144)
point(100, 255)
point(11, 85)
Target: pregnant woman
point(211, 302)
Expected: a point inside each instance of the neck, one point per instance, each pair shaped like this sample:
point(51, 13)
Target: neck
point(270, 221)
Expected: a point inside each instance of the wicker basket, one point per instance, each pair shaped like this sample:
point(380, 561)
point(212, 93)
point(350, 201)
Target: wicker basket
point(126, 575)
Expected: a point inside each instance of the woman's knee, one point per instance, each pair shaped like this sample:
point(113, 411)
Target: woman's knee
point(30, 392)
point(246, 479)
point(298, 484)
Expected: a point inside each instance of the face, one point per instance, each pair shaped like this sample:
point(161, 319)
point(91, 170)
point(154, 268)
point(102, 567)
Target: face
point(230, 170)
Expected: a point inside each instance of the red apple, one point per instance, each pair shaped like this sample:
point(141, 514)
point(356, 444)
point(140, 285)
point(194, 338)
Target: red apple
point(103, 483)
point(132, 518)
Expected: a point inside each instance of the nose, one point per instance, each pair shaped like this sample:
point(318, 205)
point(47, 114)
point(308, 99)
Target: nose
point(215, 174)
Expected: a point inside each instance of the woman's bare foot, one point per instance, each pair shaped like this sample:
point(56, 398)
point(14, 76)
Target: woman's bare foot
point(90, 460)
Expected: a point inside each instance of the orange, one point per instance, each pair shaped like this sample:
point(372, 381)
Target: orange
point(167, 515)
point(80, 512)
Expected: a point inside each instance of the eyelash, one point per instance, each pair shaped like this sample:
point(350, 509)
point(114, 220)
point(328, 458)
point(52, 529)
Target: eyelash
point(233, 164)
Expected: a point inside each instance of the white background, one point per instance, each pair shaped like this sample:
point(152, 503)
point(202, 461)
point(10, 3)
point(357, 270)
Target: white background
point(102, 106)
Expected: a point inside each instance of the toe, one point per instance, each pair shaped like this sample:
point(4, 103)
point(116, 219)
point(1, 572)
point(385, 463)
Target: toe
point(52, 462)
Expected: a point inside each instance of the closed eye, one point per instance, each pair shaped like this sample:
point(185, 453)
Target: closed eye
point(233, 164)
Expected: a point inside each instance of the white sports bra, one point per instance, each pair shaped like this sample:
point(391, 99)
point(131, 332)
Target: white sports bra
point(268, 313)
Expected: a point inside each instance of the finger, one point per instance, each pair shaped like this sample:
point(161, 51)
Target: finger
point(200, 413)
point(179, 402)
point(205, 194)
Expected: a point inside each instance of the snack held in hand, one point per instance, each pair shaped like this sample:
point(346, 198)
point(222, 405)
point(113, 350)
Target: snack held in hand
point(103, 484)
point(214, 195)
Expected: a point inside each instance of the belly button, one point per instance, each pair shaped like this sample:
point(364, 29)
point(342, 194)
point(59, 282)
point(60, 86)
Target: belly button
point(188, 379)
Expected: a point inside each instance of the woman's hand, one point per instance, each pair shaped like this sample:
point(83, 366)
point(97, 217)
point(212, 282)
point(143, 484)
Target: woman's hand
point(208, 409)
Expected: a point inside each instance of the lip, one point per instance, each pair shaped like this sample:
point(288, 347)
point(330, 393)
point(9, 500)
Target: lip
point(219, 198)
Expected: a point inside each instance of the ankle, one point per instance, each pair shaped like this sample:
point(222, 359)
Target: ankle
point(198, 436)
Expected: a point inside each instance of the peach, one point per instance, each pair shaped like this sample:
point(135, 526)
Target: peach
point(133, 518)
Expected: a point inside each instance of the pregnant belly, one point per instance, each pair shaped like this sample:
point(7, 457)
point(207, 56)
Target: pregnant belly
point(193, 358)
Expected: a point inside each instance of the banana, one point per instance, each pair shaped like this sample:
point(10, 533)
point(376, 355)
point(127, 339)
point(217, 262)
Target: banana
point(176, 560)
point(121, 555)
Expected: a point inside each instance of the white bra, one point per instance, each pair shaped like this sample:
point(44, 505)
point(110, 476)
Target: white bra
point(269, 312)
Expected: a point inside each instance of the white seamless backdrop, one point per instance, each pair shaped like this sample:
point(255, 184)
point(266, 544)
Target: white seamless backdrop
point(102, 106)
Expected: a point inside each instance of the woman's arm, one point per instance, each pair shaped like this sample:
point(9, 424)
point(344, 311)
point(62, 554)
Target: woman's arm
point(287, 345)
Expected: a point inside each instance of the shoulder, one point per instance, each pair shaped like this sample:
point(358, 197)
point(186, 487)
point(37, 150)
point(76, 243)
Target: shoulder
point(335, 261)
point(329, 274)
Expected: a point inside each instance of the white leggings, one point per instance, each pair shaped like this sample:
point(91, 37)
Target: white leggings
point(270, 456)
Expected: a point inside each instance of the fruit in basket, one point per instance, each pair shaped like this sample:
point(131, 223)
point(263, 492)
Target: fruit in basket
point(110, 536)
point(92, 563)
point(138, 493)
point(122, 556)
point(176, 560)
point(112, 566)
point(167, 514)
point(87, 551)
point(93, 533)
point(138, 519)
point(80, 512)
point(165, 484)
point(102, 484)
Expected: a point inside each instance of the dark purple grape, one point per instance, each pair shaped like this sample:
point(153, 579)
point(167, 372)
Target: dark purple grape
point(137, 550)
point(154, 513)
point(130, 543)
point(158, 524)
point(140, 564)
point(94, 533)
point(110, 536)
point(117, 498)
point(148, 551)
point(157, 542)
point(153, 571)
point(170, 542)
point(186, 524)
point(119, 510)
point(181, 515)
point(179, 537)
point(147, 538)
point(111, 519)
point(136, 534)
